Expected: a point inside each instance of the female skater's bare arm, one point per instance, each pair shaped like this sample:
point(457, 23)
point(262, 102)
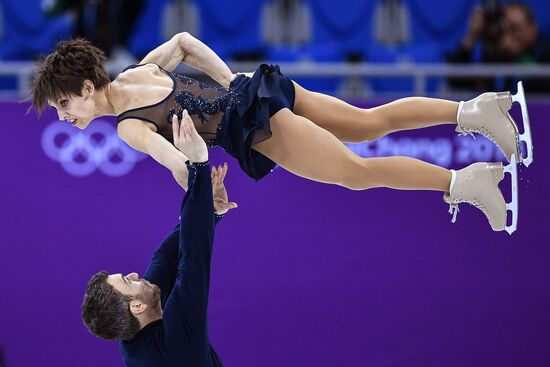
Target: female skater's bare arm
point(140, 137)
point(183, 47)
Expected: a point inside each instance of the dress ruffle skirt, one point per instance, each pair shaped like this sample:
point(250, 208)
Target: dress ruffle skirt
point(246, 122)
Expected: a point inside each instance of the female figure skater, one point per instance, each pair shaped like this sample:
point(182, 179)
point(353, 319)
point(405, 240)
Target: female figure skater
point(265, 119)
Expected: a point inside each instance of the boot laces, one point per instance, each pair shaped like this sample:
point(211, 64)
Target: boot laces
point(464, 131)
point(453, 207)
point(482, 130)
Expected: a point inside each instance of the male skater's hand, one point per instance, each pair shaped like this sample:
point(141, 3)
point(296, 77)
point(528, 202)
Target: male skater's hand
point(188, 140)
point(221, 203)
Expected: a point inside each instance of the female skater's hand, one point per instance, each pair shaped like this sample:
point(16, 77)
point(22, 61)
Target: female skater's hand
point(221, 203)
point(188, 140)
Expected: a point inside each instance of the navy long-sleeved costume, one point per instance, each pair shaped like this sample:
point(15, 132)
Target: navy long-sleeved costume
point(181, 269)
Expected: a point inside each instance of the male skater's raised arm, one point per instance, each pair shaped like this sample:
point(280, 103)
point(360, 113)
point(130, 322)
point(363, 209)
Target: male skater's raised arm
point(172, 332)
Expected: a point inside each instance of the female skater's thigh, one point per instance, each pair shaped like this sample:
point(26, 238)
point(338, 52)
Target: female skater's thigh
point(346, 122)
point(305, 149)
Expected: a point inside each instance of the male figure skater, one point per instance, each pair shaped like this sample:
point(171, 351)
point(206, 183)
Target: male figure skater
point(160, 319)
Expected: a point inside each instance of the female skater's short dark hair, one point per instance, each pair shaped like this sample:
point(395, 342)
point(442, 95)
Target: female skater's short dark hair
point(106, 311)
point(63, 72)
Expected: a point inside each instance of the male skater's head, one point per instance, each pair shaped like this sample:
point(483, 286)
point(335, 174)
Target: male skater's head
point(117, 306)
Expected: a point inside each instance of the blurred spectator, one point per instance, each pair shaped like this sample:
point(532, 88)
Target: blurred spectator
point(180, 16)
point(507, 34)
point(286, 23)
point(107, 23)
point(392, 23)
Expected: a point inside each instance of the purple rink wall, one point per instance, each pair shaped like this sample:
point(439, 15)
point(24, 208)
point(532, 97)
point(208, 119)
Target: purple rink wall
point(303, 274)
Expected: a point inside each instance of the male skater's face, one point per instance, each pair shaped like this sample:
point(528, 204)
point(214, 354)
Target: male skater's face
point(132, 285)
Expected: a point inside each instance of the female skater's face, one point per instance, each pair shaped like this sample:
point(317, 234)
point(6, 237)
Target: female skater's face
point(77, 110)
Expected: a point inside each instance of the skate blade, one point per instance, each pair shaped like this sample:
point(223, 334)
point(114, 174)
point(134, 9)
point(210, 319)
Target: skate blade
point(513, 205)
point(526, 136)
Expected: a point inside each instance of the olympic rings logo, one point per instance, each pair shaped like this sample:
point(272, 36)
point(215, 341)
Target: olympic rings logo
point(82, 152)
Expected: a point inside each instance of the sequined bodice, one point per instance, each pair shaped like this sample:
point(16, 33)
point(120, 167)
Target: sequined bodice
point(206, 105)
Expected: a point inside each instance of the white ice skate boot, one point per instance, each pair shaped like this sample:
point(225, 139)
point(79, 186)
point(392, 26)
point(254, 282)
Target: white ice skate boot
point(477, 184)
point(488, 115)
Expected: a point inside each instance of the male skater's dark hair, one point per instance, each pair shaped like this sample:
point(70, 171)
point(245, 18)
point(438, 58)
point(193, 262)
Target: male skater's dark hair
point(62, 73)
point(106, 311)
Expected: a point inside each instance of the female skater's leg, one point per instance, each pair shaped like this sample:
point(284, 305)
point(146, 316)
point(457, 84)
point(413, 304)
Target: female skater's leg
point(309, 151)
point(486, 114)
point(353, 124)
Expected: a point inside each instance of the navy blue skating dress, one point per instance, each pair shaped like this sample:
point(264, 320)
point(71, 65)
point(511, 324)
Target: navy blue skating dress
point(233, 118)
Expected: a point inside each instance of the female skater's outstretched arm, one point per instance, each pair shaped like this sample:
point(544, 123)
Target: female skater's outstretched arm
point(183, 47)
point(139, 136)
